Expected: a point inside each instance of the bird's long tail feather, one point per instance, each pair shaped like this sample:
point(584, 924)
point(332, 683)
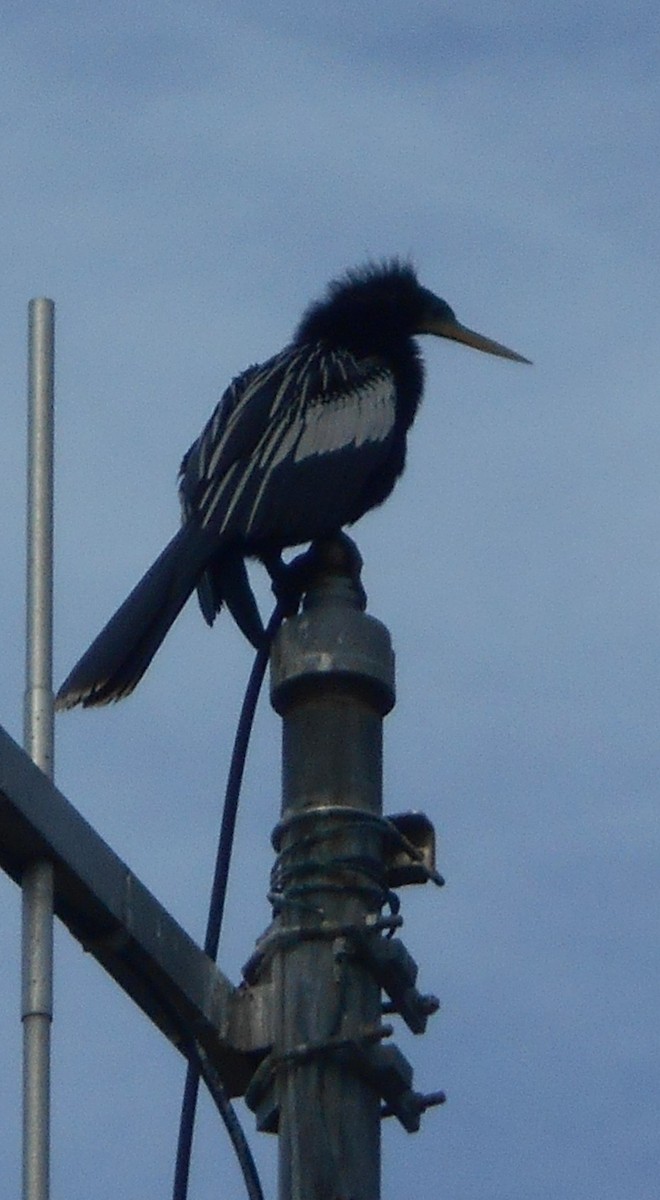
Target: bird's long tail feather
point(118, 658)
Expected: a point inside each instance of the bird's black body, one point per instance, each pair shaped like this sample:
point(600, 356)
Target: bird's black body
point(297, 448)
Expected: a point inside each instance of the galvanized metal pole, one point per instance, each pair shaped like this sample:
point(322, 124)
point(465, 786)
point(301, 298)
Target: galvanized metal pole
point(37, 965)
point(332, 682)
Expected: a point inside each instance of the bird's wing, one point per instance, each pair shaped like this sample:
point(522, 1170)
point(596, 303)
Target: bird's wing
point(232, 431)
point(286, 453)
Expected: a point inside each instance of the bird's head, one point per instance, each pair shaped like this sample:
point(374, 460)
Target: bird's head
point(372, 309)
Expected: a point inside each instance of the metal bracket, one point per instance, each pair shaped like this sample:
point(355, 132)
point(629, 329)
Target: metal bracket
point(396, 972)
point(251, 1018)
point(411, 855)
point(390, 1073)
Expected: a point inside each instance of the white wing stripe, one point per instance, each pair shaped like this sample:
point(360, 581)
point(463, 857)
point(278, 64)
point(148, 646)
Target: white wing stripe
point(365, 416)
point(258, 380)
point(288, 438)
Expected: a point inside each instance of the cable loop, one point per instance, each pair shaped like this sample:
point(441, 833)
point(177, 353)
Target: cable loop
point(217, 901)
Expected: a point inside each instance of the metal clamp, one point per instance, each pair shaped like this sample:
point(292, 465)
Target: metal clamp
point(396, 972)
point(390, 1073)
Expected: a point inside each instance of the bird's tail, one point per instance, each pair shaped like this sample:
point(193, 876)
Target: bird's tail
point(118, 658)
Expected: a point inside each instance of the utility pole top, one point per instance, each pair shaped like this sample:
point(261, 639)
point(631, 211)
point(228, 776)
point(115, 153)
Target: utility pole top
point(325, 959)
point(333, 637)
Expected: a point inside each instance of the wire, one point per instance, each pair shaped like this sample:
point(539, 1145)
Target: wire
point(196, 1064)
point(196, 1054)
point(218, 1094)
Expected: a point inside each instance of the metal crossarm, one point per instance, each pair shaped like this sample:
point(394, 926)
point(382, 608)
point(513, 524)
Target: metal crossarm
point(114, 916)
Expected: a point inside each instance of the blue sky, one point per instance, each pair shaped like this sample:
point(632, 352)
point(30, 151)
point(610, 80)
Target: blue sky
point(182, 182)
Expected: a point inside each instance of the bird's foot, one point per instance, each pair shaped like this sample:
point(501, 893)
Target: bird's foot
point(336, 557)
point(290, 580)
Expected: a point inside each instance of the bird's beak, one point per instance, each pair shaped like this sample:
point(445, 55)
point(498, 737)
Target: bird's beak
point(443, 327)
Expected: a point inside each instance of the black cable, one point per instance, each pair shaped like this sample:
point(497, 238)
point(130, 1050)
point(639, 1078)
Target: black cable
point(216, 1089)
point(196, 1054)
point(217, 903)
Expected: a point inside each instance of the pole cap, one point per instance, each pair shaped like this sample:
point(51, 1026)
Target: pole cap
point(332, 641)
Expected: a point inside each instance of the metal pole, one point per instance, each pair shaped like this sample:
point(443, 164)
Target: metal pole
point(332, 681)
point(37, 964)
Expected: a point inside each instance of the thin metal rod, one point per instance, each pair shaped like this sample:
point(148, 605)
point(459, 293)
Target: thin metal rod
point(37, 959)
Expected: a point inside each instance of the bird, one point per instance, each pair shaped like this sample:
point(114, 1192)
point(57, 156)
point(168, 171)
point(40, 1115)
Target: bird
point(297, 448)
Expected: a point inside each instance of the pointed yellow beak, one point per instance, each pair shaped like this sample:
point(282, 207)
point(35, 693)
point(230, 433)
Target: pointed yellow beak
point(445, 327)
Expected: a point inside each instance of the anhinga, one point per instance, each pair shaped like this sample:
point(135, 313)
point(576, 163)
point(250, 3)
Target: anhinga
point(297, 448)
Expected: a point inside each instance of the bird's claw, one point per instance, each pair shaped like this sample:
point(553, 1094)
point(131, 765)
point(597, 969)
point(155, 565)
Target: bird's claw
point(291, 580)
point(337, 556)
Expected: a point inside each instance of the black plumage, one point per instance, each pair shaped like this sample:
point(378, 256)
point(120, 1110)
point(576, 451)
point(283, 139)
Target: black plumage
point(297, 448)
